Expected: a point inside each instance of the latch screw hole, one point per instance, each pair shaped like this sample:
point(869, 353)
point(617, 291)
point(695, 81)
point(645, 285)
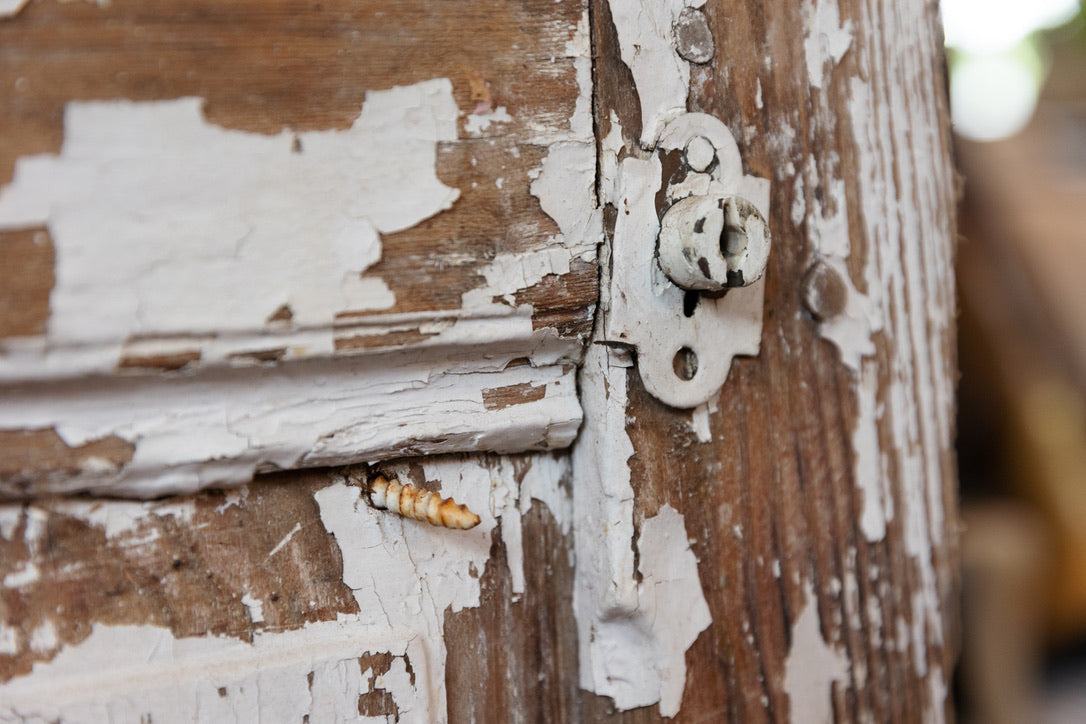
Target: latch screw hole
point(685, 364)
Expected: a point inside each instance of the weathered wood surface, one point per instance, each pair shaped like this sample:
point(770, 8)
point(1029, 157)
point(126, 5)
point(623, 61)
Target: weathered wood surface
point(229, 193)
point(820, 500)
point(784, 552)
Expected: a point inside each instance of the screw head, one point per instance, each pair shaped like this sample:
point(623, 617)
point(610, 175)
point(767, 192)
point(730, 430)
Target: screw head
point(713, 242)
point(693, 38)
point(824, 291)
point(700, 153)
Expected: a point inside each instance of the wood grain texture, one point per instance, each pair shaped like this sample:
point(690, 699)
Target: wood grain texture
point(774, 503)
point(301, 66)
point(492, 278)
point(26, 277)
point(183, 564)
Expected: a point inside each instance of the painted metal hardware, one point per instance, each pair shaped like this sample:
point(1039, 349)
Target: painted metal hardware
point(687, 266)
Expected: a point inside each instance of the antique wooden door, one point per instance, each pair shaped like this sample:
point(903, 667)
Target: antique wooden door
point(255, 253)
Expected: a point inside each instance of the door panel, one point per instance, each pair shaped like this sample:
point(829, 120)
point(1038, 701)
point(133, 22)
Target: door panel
point(244, 236)
point(785, 551)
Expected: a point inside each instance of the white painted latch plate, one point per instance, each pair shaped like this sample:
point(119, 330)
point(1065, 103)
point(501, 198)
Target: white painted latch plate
point(685, 339)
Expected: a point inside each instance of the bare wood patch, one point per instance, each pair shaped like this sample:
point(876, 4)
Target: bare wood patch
point(389, 339)
point(501, 397)
point(188, 564)
point(166, 362)
point(26, 455)
point(532, 641)
point(26, 278)
point(558, 299)
point(263, 355)
point(377, 701)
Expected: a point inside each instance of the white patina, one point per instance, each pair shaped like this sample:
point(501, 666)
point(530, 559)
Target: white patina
point(647, 47)
point(626, 651)
point(405, 577)
point(176, 237)
point(125, 673)
point(897, 125)
point(904, 424)
point(164, 224)
point(827, 38)
point(631, 649)
point(812, 667)
point(217, 428)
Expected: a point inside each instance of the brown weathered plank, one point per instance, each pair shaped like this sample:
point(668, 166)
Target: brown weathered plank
point(297, 67)
point(842, 106)
point(487, 265)
point(824, 597)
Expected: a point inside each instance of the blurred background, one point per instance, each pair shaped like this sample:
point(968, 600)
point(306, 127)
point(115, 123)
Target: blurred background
point(1018, 97)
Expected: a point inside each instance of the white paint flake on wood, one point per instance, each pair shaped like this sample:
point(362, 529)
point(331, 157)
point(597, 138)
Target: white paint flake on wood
point(812, 667)
point(218, 427)
point(904, 399)
point(134, 673)
point(11, 8)
point(631, 648)
point(405, 577)
point(648, 49)
point(669, 584)
point(827, 38)
point(164, 224)
point(904, 179)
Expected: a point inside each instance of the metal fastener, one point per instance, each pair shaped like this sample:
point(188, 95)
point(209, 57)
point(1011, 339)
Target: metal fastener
point(824, 291)
point(714, 242)
point(700, 153)
point(693, 38)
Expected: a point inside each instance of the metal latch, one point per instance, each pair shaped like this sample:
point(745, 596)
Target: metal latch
point(687, 265)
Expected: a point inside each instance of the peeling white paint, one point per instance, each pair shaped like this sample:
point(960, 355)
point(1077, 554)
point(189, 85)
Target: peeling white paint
point(648, 49)
point(565, 186)
point(11, 8)
point(896, 122)
point(123, 673)
point(119, 519)
point(405, 577)
point(828, 230)
point(627, 651)
point(543, 482)
point(670, 583)
point(812, 667)
point(867, 467)
point(165, 224)
point(701, 419)
point(255, 608)
point(9, 639)
point(22, 577)
point(630, 649)
point(218, 427)
point(43, 639)
point(477, 123)
point(579, 48)
point(10, 516)
point(903, 426)
point(827, 38)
